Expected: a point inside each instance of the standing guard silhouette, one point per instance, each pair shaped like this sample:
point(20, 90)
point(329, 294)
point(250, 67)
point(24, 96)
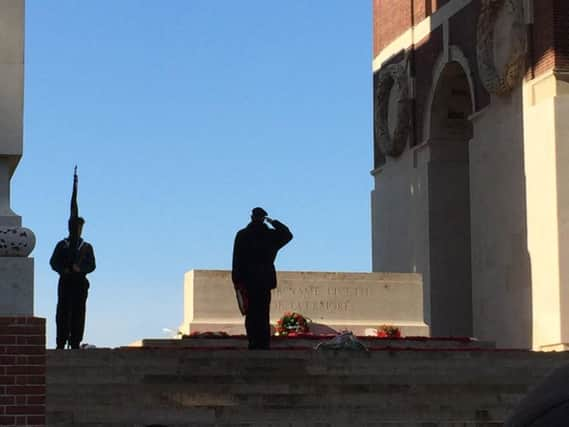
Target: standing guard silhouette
point(73, 259)
point(254, 274)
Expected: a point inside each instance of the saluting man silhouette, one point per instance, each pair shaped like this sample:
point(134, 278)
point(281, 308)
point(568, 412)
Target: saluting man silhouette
point(254, 274)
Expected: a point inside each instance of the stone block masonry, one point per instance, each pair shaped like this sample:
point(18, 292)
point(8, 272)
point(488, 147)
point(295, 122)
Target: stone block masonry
point(22, 371)
point(333, 301)
point(492, 76)
point(283, 388)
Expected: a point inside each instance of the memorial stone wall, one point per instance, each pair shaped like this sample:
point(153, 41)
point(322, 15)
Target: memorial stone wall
point(333, 301)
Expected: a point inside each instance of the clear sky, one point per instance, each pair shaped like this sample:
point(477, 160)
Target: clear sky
point(182, 115)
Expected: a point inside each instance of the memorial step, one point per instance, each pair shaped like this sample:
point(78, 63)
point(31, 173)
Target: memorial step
point(309, 342)
point(188, 387)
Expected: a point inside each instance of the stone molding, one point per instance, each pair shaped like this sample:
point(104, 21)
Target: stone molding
point(501, 82)
point(392, 78)
point(16, 241)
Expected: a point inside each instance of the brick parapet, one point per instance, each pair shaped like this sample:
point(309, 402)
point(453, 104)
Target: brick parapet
point(542, 56)
point(549, 48)
point(22, 371)
point(549, 44)
point(560, 34)
point(391, 18)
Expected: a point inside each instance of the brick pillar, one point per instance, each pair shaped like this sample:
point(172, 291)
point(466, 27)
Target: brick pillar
point(22, 371)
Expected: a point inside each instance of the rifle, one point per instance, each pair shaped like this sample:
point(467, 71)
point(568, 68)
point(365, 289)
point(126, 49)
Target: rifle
point(73, 222)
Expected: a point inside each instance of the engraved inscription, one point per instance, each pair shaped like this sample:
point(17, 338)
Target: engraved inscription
point(348, 292)
point(318, 301)
point(316, 307)
point(310, 291)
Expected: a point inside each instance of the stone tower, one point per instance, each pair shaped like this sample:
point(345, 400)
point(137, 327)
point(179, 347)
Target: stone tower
point(471, 167)
point(16, 242)
point(22, 336)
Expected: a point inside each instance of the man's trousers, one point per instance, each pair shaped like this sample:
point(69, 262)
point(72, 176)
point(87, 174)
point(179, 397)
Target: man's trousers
point(257, 319)
point(70, 316)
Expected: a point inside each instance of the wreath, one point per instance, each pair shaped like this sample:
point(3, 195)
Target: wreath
point(291, 324)
point(388, 331)
point(501, 82)
point(392, 78)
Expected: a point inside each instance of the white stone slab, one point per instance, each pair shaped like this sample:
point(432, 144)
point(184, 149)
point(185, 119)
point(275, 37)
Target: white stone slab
point(11, 109)
point(12, 32)
point(337, 301)
point(16, 286)
point(12, 77)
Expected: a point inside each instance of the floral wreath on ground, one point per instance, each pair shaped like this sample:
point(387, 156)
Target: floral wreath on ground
point(292, 324)
point(388, 331)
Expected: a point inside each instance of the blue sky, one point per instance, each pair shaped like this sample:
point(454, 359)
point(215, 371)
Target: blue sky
point(182, 115)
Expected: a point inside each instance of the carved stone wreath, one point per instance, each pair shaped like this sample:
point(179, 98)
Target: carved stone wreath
point(392, 78)
point(501, 82)
point(16, 242)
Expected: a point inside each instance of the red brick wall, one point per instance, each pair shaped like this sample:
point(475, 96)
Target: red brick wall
point(391, 18)
point(549, 48)
point(375, 26)
point(561, 34)
point(22, 371)
point(421, 9)
point(439, 3)
point(549, 42)
point(541, 44)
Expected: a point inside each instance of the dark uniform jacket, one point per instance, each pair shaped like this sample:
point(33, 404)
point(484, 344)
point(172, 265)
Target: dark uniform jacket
point(254, 254)
point(84, 258)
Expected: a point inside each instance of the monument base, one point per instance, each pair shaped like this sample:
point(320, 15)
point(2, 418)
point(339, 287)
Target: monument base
point(309, 342)
point(555, 347)
point(237, 327)
point(332, 301)
point(16, 286)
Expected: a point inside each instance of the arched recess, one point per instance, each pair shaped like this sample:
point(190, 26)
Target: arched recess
point(455, 54)
point(450, 272)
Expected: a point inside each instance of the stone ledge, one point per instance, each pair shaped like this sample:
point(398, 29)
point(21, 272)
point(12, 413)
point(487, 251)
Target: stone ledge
point(277, 343)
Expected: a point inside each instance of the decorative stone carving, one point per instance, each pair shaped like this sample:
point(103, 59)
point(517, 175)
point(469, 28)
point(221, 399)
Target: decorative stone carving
point(16, 242)
point(391, 125)
point(501, 79)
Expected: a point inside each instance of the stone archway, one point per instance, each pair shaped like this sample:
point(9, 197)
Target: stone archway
point(448, 169)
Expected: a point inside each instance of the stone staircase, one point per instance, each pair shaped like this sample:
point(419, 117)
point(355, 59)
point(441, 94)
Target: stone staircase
point(181, 387)
point(239, 342)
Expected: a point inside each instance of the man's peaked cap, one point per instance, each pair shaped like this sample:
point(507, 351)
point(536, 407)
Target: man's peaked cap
point(259, 212)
